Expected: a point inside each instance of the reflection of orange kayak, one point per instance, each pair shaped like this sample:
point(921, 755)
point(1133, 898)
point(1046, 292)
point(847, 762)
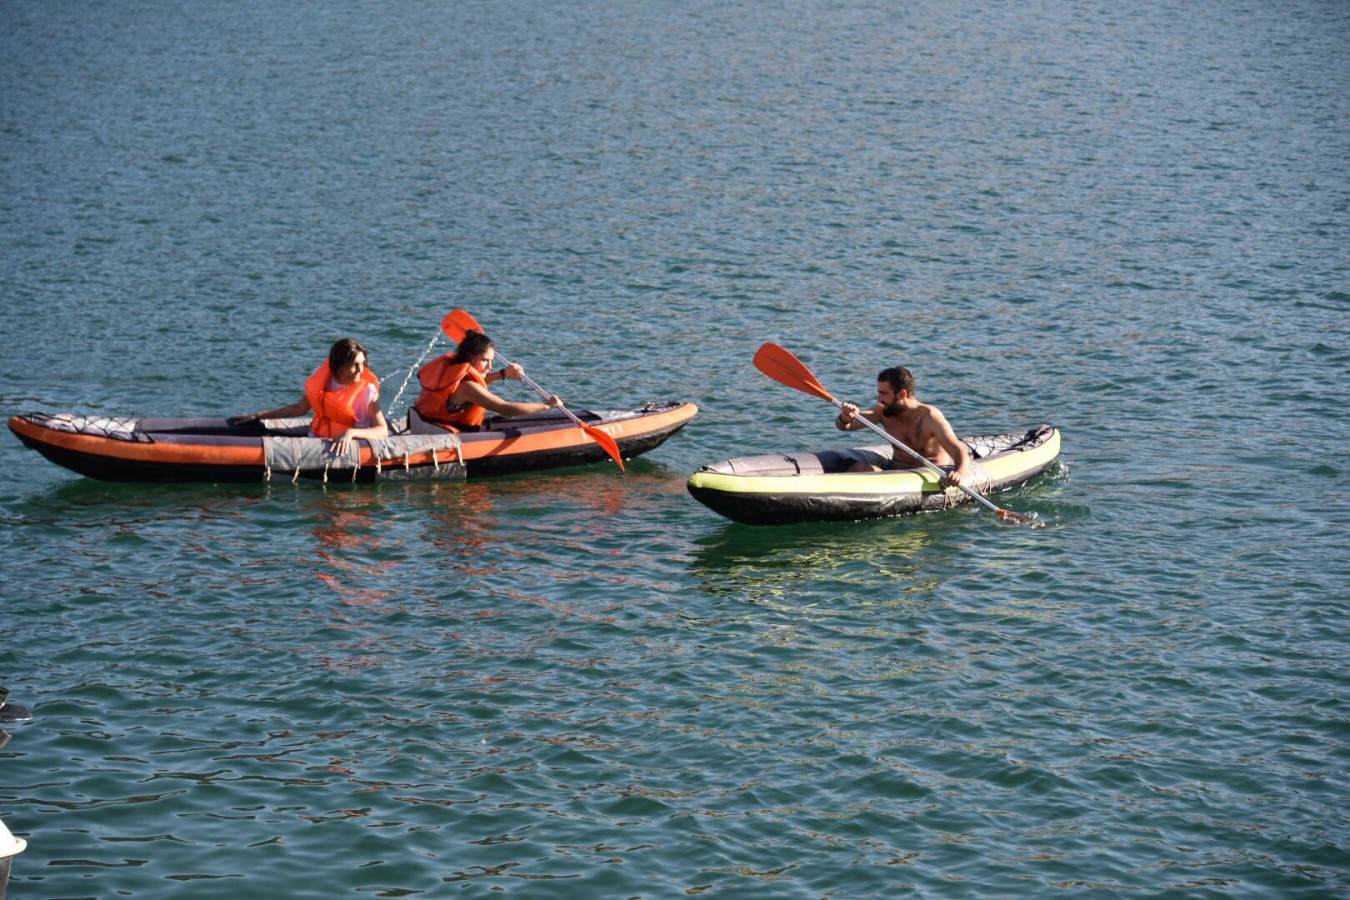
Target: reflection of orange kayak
point(812, 487)
point(212, 450)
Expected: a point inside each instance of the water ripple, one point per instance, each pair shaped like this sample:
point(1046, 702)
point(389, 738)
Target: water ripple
point(1122, 219)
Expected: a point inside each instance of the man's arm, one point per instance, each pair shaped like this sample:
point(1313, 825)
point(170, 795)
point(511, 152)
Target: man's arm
point(847, 420)
point(954, 446)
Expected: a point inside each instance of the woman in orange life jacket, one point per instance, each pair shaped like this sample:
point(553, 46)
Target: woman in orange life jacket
point(455, 391)
point(345, 398)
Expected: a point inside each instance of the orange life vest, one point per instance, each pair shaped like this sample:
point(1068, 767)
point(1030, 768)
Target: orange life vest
point(335, 410)
point(440, 378)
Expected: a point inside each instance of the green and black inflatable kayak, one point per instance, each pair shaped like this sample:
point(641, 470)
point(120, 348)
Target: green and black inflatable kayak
point(787, 488)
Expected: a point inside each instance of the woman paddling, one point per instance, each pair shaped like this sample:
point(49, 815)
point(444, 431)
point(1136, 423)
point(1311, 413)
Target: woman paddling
point(345, 398)
point(455, 391)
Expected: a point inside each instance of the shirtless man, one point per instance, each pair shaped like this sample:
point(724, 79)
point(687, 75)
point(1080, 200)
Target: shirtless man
point(921, 427)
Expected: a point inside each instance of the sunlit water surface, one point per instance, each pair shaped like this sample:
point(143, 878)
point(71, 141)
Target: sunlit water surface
point(1127, 220)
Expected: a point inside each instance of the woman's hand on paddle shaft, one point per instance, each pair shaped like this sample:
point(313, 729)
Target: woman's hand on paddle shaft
point(515, 370)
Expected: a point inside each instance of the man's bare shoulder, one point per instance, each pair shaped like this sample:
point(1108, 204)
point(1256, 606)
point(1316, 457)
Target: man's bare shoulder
point(932, 417)
point(929, 411)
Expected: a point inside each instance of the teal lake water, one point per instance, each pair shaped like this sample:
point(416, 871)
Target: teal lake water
point(1129, 220)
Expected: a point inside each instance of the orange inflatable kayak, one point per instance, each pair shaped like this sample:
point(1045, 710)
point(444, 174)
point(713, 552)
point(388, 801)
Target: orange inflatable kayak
point(213, 450)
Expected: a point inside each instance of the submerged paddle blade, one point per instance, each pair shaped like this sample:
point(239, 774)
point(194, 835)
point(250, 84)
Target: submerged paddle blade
point(458, 323)
point(780, 365)
point(1016, 518)
point(605, 441)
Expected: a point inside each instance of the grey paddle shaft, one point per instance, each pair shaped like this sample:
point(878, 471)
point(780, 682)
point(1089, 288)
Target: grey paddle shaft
point(920, 458)
point(540, 391)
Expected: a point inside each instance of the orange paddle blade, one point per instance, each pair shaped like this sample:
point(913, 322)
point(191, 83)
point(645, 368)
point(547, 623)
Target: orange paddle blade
point(605, 441)
point(458, 323)
point(780, 365)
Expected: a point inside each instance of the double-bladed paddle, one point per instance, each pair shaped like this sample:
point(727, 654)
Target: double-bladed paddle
point(780, 365)
point(458, 323)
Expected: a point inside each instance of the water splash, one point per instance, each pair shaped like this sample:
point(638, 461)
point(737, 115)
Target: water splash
point(408, 377)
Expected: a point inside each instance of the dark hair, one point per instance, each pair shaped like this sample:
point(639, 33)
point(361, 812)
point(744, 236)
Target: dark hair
point(899, 378)
point(475, 343)
point(343, 352)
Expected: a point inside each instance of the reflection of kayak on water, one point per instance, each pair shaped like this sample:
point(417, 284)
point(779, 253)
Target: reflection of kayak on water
point(10, 712)
point(807, 487)
point(213, 450)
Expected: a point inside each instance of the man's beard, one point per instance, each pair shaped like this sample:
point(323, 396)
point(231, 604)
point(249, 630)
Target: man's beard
point(891, 410)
